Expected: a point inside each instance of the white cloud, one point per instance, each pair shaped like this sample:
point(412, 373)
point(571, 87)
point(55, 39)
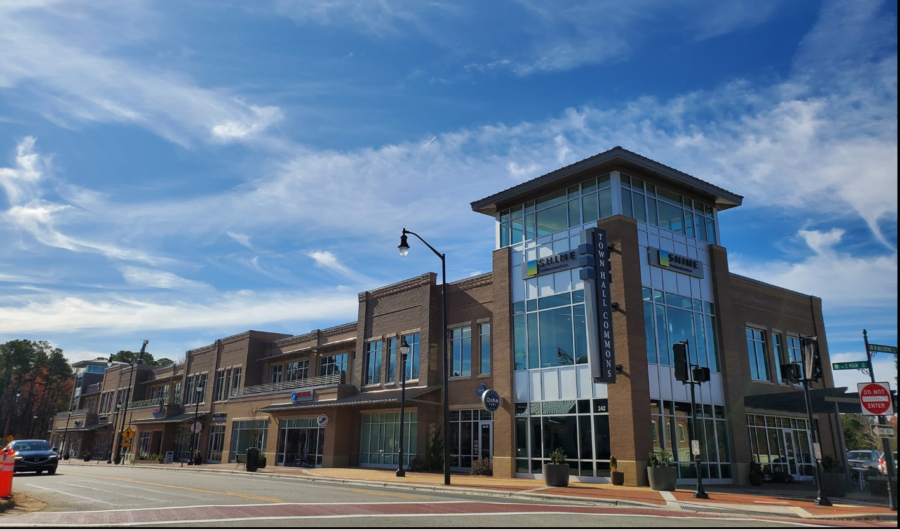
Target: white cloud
point(242, 239)
point(154, 278)
point(65, 60)
point(111, 314)
point(327, 260)
point(841, 280)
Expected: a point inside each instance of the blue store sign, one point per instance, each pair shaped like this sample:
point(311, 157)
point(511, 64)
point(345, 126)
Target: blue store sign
point(491, 400)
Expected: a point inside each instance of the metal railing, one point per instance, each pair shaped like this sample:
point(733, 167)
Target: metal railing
point(315, 381)
point(75, 413)
point(145, 403)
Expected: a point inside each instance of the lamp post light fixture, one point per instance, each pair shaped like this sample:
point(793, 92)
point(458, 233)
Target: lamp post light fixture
point(198, 389)
point(127, 398)
point(404, 351)
point(404, 250)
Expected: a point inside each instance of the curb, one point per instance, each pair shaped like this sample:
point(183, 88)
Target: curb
point(672, 506)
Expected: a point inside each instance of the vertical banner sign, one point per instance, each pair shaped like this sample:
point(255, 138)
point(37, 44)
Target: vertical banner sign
point(594, 260)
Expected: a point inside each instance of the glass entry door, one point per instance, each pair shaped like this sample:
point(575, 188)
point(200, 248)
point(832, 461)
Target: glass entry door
point(300, 446)
point(797, 454)
point(485, 448)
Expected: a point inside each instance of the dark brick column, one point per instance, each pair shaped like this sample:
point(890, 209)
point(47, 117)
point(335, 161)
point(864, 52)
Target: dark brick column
point(502, 367)
point(631, 436)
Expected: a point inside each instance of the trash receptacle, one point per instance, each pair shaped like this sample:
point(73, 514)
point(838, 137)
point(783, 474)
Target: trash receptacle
point(252, 459)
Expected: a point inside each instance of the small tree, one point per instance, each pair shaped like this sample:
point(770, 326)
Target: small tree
point(434, 452)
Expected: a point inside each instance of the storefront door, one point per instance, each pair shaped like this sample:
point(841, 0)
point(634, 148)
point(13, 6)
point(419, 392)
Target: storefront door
point(798, 460)
point(485, 439)
point(300, 443)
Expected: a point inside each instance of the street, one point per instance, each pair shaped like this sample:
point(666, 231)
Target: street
point(122, 496)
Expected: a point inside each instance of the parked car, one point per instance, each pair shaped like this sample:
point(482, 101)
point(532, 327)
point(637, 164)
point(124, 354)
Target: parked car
point(882, 464)
point(33, 455)
point(864, 459)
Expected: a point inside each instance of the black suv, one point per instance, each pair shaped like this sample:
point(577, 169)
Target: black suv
point(34, 455)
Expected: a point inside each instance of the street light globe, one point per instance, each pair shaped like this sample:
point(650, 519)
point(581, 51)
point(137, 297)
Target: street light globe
point(404, 347)
point(403, 247)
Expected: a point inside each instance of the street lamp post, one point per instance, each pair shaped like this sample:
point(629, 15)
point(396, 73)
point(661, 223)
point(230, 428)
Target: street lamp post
point(118, 458)
point(112, 438)
point(33, 425)
point(404, 351)
point(65, 451)
point(198, 390)
point(404, 250)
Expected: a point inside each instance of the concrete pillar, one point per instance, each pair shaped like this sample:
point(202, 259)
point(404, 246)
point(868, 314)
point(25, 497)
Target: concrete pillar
point(502, 369)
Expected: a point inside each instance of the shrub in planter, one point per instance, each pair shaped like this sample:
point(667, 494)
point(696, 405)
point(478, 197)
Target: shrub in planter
point(756, 475)
point(834, 482)
point(556, 472)
point(618, 478)
point(661, 473)
point(482, 467)
point(261, 461)
point(86, 456)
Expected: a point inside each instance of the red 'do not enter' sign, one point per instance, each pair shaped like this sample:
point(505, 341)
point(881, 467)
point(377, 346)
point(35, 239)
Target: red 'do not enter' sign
point(875, 399)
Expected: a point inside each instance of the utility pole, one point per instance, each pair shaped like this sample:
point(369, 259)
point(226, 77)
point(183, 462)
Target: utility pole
point(885, 442)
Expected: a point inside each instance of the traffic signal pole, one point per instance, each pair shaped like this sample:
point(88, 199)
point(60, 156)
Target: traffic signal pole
point(809, 369)
point(692, 375)
point(885, 442)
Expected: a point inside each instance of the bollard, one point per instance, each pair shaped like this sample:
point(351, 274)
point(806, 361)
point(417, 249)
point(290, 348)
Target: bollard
point(7, 467)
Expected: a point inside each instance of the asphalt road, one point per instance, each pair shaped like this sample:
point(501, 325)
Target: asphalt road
point(122, 496)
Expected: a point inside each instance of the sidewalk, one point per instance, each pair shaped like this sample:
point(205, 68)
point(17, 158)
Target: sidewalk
point(728, 500)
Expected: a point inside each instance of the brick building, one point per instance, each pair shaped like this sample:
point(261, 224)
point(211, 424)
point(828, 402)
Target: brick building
point(531, 329)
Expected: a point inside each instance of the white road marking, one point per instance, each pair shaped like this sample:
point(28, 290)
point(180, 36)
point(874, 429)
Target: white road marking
point(114, 493)
point(418, 515)
point(73, 495)
point(175, 494)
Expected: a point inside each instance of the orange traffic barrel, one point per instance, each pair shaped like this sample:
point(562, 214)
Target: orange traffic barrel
point(7, 466)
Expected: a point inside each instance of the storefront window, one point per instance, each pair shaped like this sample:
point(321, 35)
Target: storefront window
point(248, 434)
point(380, 437)
point(672, 427)
point(471, 436)
point(579, 427)
point(301, 442)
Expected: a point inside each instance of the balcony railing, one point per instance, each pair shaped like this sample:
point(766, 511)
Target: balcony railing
point(75, 413)
point(315, 381)
point(145, 403)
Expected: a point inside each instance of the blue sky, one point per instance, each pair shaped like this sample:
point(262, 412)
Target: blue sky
point(182, 171)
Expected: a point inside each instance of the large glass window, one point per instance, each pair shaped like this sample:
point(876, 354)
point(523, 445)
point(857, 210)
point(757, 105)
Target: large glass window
point(333, 364)
point(672, 427)
point(380, 438)
point(301, 442)
point(670, 318)
point(247, 434)
point(781, 445)
point(552, 332)
point(484, 347)
point(468, 433)
point(276, 374)
point(412, 359)
point(756, 348)
point(372, 374)
point(219, 386)
point(579, 427)
point(391, 360)
point(236, 380)
point(557, 211)
point(461, 347)
point(667, 210)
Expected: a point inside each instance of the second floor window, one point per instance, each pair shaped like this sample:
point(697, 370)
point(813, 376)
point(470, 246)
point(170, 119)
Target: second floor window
point(276, 374)
point(219, 385)
point(391, 360)
point(235, 381)
point(297, 370)
point(177, 396)
point(412, 359)
point(372, 373)
point(461, 347)
point(756, 349)
point(484, 335)
point(189, 390)
point(200, 388)
point(333, 364)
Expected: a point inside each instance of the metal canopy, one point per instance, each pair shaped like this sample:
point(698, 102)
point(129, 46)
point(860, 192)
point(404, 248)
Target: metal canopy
point(823, 401)
point(364, 399)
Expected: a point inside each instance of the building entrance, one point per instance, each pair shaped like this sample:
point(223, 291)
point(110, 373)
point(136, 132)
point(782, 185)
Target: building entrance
point(300, 443)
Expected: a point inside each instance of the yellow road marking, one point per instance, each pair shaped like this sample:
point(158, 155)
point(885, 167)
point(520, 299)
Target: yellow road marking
point(237, 494)
point(357, 491)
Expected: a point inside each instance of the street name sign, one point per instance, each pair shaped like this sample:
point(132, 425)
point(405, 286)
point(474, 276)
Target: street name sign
point(875, 398)
point(850, 365)
point(882, 348)
point(884, 431)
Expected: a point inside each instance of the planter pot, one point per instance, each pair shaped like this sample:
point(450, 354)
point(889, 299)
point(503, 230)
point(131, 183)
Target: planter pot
point(261, 462)
point(556, 475)
point(662, 478)
point(87, 458)
point(834, 484)
point(755, 480)
point(878, 486)
point(618, 478)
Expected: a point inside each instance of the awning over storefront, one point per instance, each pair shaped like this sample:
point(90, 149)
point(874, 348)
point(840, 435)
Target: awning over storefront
point(823, 401)
point(363, 399)
point(187, 417)
point(92, 427)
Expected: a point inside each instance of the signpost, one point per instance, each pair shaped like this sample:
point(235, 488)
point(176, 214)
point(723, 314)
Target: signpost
point(850, 365)
point(884, 431)
point(128, 434)
point(875, 398)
